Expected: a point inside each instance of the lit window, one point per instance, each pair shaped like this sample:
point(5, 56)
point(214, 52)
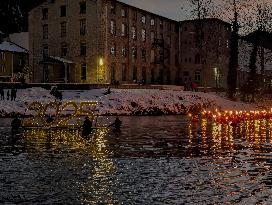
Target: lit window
point(63, 29)
point(134, 52)
point(123, 13)
point(62, 11)
point(113, 49)
point(134, 35)
point(143, 19)
point(83, 71)
point(82, 27)
point(112, 27)
point(123, 30)
point(152, 22)
point(82, 7)
point(197, 76)
point(143, 35)
point(124, 51)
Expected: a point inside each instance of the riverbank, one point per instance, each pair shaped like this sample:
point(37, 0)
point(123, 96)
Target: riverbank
point(127, 102)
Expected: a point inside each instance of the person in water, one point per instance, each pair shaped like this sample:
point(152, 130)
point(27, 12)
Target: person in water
point(15, 125)
point(117, 124)
point(87, 127)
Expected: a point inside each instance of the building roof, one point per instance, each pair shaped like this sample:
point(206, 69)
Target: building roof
point(11, 47)
point(207, 20)
point(62, 60)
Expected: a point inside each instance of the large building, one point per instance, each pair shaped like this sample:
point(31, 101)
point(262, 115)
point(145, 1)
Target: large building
point(204, 52)
point(101, 41)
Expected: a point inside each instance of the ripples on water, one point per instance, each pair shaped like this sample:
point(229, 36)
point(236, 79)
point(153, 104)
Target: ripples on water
point(154, 160)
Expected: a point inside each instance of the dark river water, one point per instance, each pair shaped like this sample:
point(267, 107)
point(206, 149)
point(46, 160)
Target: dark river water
point(154, 160)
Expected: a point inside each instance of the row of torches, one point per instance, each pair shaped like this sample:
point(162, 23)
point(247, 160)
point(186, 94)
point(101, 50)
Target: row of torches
point(231, 117)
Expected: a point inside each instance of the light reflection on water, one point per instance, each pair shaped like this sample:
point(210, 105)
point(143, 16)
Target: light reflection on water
point(154, 160)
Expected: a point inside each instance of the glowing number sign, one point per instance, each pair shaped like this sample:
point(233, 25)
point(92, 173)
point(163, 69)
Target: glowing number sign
point(86, 108)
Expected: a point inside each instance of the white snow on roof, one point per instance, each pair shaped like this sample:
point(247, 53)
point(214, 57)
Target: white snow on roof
point(11, 47)
point(63, 60)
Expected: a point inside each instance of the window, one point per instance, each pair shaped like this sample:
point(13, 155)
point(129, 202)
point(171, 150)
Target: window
point(143, 35)
point(3, 68)
point(63, 29)
point(144, 74)
point(152, 22)
point(45, 31)
point(112, 8)
point(113, 72)
point(185, 28)
point(152, 55)
point(64, 50)
point(82, 7)
point(134, 73)
point(3, 56)
point(124, 72)
point(134, 15)
point(82, 27)
point(124, 51)
point(227, 43)
point(134, 52)
point(152, 36)
point(83, 71)
point(186, 73)
point(176, 60)
point(197, 76)
point(112, 27)
point(123, 30)
point(45, 13)
point(161, 23)
point(143, 19)
point(45, 51)
point(185, 60)
point(83, 49)
point(219, 42)
point(62, 11)
point(143, 54)
point(113, 49)
point(123, 13)
point(134, 33)
point(197, 59)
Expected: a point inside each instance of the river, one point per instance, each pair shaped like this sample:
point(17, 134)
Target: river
point(153, 160)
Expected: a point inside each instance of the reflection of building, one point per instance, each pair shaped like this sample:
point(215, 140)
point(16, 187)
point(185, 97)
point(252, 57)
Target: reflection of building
point(101, 41)
point(204, 52)
point(13, 61)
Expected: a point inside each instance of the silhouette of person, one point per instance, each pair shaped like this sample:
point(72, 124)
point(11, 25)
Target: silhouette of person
point(117, 124)
point(12, 94)
point(15, 125)
point(8, 95)
point(87, 127)
point(2, 93)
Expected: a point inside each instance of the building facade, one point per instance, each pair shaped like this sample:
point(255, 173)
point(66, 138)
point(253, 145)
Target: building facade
point(204, 52)
point(13, 62)
point(101, 41)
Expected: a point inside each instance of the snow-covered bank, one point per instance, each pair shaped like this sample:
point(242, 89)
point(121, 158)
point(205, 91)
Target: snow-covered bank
point(127, 102)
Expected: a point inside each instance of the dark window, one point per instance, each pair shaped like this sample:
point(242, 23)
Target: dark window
point(83, 49)
point(45, 31)
point(134, 15)
point(82, 27)
point(186, 73)
point(45, 51)
point(82, 7)
point(197, 59)
point(143, 54)
point(83, 71)
point(152, 76)
point(64, 50)
point(185, 60)
point(113, 72)
point(134, 74)
point(185, 28)
point(45, 13)
point(63, 29)
point(112, 8)
point(124, 72)
point(62, 11)
point(144, 74)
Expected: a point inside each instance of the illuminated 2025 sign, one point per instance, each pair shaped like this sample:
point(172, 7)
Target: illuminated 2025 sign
point(86, 108)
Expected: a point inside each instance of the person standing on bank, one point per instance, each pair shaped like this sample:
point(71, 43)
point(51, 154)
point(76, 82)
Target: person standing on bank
point(2, 93)
point(12, 94)
point(8, 95)
point(117, 124)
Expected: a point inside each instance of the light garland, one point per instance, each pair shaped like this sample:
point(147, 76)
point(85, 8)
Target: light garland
point(232, 117)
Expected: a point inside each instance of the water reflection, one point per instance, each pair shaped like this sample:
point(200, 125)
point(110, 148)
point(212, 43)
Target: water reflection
point(154, 160)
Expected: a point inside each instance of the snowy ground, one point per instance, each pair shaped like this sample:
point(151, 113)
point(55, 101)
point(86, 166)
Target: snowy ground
point(127, 102)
